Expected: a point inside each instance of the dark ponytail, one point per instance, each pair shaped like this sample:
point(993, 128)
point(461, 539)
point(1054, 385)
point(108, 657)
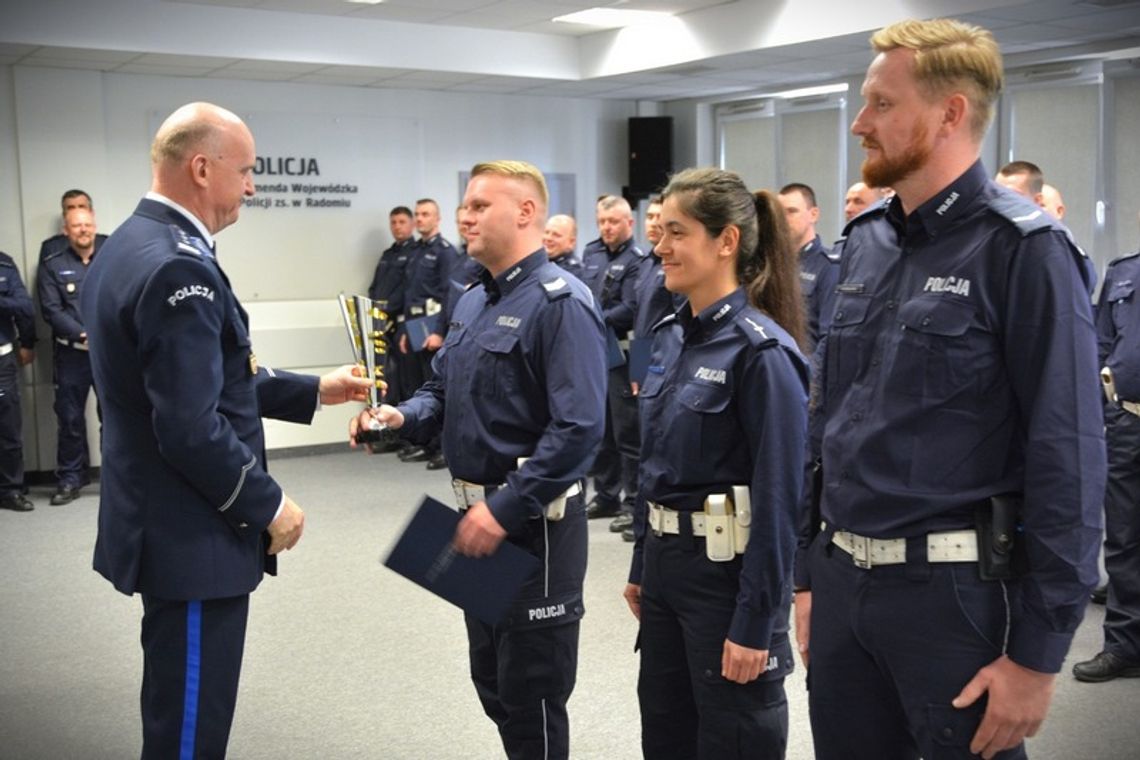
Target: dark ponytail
point(774, 286)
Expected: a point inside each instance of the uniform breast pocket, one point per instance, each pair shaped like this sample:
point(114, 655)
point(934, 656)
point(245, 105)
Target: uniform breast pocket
point(702, 423)
point(943, 350)
point(847, 345)
point(238, 351)
point(496, 375)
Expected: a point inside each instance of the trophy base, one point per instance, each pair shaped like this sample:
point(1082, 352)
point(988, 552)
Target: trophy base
point(384, 439)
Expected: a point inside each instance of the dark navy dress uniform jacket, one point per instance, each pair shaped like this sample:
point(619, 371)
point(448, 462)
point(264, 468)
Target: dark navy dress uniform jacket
point(725, 403)
point(961, 364)
point(508, 384)
point(1118, 325)
point(389, 280)
point(185, 496)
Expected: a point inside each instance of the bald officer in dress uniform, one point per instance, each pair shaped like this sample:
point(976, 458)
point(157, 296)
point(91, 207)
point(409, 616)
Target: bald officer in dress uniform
point(188, 515)
point(507, 385)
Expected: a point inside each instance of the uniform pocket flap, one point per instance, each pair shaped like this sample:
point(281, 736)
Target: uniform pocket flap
point(705, 399)
point(497, 342)
point(936, 316)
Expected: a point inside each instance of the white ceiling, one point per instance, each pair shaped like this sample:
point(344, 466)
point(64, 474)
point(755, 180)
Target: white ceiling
point(715, 47)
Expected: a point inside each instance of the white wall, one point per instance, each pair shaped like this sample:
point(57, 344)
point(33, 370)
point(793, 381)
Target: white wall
point(92, 130)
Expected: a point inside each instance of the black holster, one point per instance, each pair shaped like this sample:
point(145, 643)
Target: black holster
point(1000, 545)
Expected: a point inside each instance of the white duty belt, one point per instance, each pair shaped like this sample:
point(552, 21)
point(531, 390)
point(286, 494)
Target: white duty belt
point(468, 494)
point(5, 349)
point(76, 344)
point(948, 546)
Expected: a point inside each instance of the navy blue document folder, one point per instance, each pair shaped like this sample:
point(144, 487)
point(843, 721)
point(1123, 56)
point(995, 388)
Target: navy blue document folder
point(483, 587)
point(419, 329)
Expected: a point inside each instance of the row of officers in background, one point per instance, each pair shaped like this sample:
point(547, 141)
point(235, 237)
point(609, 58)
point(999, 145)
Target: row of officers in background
point(63, 262)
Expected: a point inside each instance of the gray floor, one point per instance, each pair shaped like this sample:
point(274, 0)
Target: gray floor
point(347, 660)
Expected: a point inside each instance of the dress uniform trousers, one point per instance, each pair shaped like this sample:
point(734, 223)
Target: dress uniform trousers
point(72, 386)
point(1122, 534)
point(11, 426)
point(688, 710)
point(192, 653)
point(615, 468)
point(524, 671)
point(891, 646)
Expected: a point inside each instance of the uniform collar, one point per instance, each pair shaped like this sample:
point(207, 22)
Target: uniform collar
point(430, 240)
point(619, 250)
point(945, 208)
point(713, 317)
point(563, 258)
point(505, 283)
point(202, 231)
point(812, 246)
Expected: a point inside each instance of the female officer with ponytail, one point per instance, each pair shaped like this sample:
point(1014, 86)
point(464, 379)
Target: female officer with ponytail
point(723, 424)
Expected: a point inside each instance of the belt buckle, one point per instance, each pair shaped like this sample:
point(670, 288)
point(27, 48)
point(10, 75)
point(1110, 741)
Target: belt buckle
point(860, 551)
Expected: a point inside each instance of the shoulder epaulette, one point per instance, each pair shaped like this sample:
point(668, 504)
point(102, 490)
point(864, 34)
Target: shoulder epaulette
point(871, 212)
point(555, 286)
point(748, 324)
point(638, 252)
point(183, 243)
point(53, 255)
point(833, 252)
point(1023, 214)
point(1125, 257)
point(668, 319)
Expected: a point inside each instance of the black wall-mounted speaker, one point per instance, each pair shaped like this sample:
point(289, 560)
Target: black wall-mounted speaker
point(650, 153)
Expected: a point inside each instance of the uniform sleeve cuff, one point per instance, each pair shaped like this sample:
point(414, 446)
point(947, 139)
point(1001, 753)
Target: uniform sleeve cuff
point(751, 629)
point(508, 509)
point(1038, 649)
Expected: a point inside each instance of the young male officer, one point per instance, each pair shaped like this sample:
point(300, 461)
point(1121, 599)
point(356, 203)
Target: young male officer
point(188, 515)
point(963, 453)
point(507, 386)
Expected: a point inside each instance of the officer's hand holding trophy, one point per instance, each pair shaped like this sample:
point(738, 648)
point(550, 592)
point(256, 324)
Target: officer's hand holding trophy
point(368, 326)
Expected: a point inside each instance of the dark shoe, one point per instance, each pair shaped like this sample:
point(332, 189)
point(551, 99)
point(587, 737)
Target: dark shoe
point(415, 454)
point(596, 509)
point(16, 502)
point(1099, 594)
point(621, 522)
point(627, 536)
point(437, 462)
point(64, 495)
point(1105, 667)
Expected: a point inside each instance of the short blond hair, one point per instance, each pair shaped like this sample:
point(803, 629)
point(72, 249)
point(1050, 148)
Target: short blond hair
point(950, 56)
point(520, 170)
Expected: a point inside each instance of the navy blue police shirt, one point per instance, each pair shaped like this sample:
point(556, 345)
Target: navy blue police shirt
point(615, 287)
point(1118, 325)
point(819, 271)
point(17, 314)
point(725, 403)
point(184, 493)
point(389, 280)
point(508, 384)
point(654, 301)
point(569, 263)
point(961, 364)
point(595, 257)
point(427, 274)
point(58, 283)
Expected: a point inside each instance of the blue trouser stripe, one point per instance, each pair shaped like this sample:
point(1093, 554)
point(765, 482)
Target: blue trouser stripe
point(193, 678)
